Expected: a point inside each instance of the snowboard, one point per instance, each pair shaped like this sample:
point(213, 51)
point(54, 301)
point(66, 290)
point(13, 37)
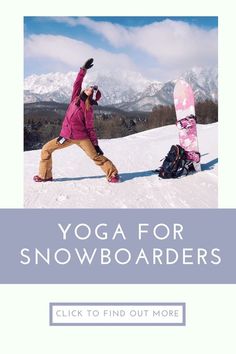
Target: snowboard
point(186, 121)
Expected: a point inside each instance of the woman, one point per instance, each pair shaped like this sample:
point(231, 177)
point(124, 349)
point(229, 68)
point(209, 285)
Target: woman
point(78, 128)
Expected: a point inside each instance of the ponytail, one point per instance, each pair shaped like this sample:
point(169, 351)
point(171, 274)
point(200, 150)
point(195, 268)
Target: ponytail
point(87, 104)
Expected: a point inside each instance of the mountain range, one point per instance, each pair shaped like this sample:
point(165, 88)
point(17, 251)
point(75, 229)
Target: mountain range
point(126, 90)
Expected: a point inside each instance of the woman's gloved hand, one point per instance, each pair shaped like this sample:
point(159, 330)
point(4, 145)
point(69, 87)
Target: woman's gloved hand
point(88, 64)
point(98, 150)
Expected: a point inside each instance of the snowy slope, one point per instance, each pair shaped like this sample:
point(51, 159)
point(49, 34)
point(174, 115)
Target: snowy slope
point(80, 184)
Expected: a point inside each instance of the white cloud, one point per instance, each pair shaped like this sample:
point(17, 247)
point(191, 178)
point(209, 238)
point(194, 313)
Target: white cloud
point(73, 53)
point(172, 43)
point(116, 34)
point(168, 48)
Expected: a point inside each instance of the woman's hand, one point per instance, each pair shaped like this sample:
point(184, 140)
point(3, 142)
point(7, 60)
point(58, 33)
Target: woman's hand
point(88, 64)
point(98, 150)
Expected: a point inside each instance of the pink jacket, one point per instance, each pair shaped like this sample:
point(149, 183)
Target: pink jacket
point(78, 123)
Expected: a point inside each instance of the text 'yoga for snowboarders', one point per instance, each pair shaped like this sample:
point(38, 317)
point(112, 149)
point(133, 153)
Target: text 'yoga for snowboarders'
point(86, 254)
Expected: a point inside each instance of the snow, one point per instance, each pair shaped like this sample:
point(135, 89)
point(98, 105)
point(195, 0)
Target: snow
point(79, 183)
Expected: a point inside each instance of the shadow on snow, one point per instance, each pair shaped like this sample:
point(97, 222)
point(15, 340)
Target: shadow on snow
point(131, 175)
point(209, 165)
point(124, 176)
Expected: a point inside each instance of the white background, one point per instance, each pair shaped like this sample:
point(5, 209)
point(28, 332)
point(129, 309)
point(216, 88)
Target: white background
point(210, 327)
point(211, 309)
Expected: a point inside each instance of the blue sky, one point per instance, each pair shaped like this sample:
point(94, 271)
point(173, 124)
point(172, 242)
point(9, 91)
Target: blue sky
point(158, 47)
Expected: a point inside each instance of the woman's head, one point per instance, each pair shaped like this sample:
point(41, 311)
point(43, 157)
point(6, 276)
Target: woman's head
point(90, 96)
point(89, 91)
point(93, 93)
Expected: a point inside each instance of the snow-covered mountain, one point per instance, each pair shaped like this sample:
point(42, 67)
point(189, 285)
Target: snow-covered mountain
point(122, 89)
point(203, 82)
point(79, 183)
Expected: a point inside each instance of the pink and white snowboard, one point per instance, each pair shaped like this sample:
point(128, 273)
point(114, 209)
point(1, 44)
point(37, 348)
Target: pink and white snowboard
point(186, 122)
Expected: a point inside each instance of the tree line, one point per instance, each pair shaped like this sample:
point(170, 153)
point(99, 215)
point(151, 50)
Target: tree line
point(42, 121)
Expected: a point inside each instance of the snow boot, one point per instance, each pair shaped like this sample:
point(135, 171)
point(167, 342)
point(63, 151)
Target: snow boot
point(114, 179)
point(39, 179)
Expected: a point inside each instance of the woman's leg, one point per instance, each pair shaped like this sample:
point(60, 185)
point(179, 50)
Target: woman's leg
point(106, 165)
point(45, 165)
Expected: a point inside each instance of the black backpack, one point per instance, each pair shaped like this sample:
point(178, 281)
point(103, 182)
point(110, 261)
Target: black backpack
point(175, 163)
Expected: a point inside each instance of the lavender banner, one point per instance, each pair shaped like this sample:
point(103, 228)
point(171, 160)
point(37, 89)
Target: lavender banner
point(117, 246)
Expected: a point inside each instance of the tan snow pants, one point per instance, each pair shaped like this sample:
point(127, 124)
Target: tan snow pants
point(45, 166)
